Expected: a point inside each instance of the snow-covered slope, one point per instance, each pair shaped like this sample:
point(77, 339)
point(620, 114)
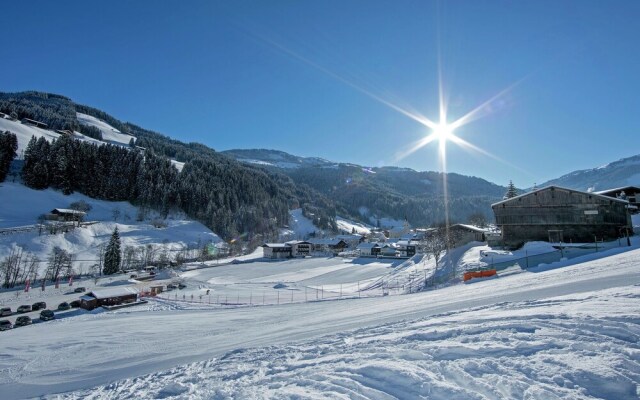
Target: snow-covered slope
point(276, 158)
point(349, 226)
point(25, 132)
point(109, 133)
point(623, 172)
point(25, 205)
point(564, 333)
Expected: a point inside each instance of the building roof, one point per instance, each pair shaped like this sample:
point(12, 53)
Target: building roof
point(67, 211)
point(557, 187)
point(470, 228)
point(113, 292)
point(349, 237)
point(367, 245)
point(614, 190)
point(326, 242)
point(292, 242)
point(276, 245)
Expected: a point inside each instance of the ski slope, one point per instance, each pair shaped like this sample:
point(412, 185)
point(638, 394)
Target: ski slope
point(568, 332)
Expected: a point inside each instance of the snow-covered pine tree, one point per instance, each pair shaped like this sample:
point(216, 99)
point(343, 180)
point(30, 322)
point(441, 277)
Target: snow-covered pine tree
point(511, 191)
point(112, 257)
point(8, 148)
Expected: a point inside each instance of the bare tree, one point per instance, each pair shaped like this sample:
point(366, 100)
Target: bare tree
point(59, 260)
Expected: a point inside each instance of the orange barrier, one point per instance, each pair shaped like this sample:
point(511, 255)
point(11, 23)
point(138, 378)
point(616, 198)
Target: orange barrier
point(479, 274)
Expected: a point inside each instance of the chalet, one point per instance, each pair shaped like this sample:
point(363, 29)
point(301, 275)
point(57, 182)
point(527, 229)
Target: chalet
point(558, 214)
point(352, 241)
point(368, 249)
point(334, 246)
point(276, 250)
point(32, 122)
point(64, 214)
point(463, 234)
point(389, 250)
point(108, 297)
point(299, 248)
point(406, 248)
point(629, 193)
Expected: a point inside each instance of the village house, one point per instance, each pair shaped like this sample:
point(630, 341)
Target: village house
point(65, 215)
point(352, 240)
point(463, 234)
point(557, 214)
point(368, 249)
point(108, 297)
point(333, 246)
point(299, 248)
point(276, 250)
point(629, 193)
point(406, 248)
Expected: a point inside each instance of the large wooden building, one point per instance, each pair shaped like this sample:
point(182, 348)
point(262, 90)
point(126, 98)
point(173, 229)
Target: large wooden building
point(108, 297)
point(557, 214)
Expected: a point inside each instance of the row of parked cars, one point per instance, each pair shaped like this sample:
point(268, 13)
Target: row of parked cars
point(23, 320)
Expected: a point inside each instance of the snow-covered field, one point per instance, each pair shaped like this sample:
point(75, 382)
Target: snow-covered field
point(569, 332)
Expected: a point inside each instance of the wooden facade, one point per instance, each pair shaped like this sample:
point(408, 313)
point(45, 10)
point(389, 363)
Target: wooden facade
point(557, 214)
point(629, 193)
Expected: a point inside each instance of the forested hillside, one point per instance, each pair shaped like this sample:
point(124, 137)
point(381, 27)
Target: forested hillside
point(371, 193)
point(232, 199)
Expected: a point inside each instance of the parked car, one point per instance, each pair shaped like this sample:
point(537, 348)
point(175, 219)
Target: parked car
point(181, 286)
point(75, 304)
point(41, 305)
point(80, 289)
point(5, 325)
point(64, 306)
point(172, 286)
point(24, 308)
point(4, 311)
point(47, 315)
point(23, 320)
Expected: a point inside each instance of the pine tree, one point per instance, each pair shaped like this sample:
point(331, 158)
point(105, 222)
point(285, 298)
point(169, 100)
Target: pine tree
point(112, 257)
point(8, 148)
point(511, 191)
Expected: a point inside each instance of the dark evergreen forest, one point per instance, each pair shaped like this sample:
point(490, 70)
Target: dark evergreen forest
point(228, 197)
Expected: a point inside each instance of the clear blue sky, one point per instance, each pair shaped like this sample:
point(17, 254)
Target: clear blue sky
point(225, 74)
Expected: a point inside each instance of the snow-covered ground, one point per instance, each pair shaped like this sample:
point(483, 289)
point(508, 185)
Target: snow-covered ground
point(26, 205)
point(349, 226)
point(109, 133)
point(569, 332)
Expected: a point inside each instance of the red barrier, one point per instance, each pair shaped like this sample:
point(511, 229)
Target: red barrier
point(479, 274)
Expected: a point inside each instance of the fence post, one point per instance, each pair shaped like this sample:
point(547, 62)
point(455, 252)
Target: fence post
point(263, 298)
point(305, 294)
point(251, 298)
point(358, 289)
point(595, 239)
point(278, 297)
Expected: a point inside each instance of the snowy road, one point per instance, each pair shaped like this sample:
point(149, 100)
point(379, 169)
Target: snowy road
point(90, 350)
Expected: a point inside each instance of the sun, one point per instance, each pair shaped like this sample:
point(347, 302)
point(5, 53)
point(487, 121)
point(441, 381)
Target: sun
point(443, 132)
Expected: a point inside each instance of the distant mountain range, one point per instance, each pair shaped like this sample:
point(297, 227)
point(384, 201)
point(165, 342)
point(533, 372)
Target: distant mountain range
point(236, 191)
point(375, 193)
point(624, 172)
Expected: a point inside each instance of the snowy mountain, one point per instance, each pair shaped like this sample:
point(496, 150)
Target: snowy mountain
point(624, 172)
point(276, 158)
point(382, 193)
